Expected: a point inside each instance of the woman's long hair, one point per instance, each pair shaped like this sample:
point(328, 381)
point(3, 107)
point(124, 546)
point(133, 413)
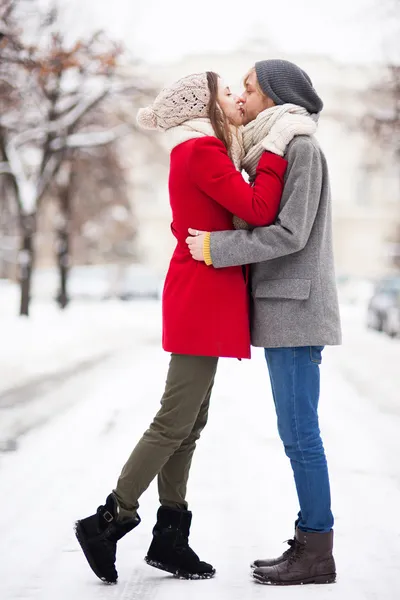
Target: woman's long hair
point(219, 121)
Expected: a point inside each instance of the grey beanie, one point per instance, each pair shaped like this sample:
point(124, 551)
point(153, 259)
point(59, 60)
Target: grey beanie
point(285, 83)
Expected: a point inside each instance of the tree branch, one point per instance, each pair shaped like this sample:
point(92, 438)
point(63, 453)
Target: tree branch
point(90, 139)
point(26, 188)
point(5, 168)
point(49, 172)
point(70, 119)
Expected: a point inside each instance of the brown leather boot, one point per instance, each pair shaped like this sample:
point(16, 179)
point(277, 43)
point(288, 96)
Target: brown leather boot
point(271, 562)
point(310, 562)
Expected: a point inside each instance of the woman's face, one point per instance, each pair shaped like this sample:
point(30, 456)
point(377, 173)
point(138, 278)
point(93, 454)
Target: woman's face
point(230, 104)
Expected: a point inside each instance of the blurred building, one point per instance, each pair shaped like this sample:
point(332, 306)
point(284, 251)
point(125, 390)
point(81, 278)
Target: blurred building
point(365, 180)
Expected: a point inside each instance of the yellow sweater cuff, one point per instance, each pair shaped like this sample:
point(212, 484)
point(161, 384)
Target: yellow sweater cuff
point(207, 249)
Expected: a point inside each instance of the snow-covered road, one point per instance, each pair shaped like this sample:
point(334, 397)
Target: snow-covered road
point(241, 489)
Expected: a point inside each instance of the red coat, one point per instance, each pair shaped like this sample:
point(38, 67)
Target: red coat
point(206, 310)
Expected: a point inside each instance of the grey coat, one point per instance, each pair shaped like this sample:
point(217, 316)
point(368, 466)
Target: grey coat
point(293, 287)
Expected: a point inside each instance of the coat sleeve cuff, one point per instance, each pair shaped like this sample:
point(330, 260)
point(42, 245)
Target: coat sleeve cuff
point(207, 249)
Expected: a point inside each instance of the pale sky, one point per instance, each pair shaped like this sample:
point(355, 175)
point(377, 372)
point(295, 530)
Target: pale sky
point(165, 30)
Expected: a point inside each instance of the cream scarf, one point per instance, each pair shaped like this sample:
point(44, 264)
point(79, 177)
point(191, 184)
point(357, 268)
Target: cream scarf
point(202, 127)
point(257, 130)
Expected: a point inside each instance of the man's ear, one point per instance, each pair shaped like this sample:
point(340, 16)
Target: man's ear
point(270, 102)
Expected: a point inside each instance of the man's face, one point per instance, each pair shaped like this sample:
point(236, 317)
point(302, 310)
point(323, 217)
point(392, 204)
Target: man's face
point(253, 100)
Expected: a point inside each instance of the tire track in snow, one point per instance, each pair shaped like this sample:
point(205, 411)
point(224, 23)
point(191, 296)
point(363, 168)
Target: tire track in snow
point(36, 517)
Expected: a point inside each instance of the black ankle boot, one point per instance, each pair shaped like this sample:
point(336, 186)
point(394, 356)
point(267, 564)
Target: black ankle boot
point(170, 550)
point(98, 536)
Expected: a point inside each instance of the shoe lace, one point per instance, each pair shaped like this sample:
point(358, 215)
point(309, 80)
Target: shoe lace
point(296, 553)
point(289, 551)
point(291, 543)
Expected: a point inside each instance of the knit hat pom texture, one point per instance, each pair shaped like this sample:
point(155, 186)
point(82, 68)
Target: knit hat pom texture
point(184, 100)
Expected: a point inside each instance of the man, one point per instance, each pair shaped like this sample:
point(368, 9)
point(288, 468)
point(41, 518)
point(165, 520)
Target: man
point(294, 312)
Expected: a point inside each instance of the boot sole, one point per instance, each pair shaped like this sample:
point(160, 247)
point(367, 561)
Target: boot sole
point(86, 551)
point(319, 579)
point(178, 573)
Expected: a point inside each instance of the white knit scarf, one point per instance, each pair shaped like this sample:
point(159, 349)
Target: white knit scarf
point(202, 127)
point(257, 130)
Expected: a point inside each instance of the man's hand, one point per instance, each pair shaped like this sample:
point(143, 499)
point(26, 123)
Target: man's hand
point(195, 242)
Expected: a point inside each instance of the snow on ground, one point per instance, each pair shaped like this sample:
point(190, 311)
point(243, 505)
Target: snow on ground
point(241, 490)
point(40, 352)
point(50, 340)
point(370, 360)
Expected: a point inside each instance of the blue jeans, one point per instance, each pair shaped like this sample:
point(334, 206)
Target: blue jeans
point(295, 382)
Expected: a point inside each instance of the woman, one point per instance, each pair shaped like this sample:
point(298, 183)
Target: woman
point(202, 117)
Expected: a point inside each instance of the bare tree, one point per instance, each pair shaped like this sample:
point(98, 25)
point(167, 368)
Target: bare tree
point(56, 87)
point(382, 119)
point(94, 211)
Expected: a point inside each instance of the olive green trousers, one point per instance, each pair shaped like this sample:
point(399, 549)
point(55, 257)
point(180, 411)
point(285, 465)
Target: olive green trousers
point(166, 448)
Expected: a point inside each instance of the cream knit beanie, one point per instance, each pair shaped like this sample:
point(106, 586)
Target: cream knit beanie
point(186, 99)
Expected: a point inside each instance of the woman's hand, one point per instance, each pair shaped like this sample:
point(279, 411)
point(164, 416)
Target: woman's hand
point(195, 241)
point(285, 129)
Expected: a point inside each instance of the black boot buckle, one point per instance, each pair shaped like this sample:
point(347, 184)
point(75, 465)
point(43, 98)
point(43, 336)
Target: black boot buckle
point(108, 516)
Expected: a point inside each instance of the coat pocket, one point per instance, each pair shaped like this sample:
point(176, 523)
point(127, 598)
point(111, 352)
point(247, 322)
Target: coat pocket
point(291, 289)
